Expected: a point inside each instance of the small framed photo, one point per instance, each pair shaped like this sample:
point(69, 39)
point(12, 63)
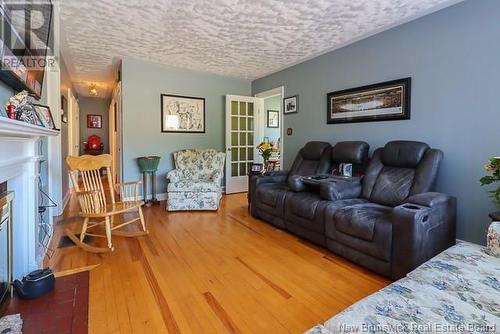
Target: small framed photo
point(291, 104)
point(257, 168)
point(94, 121)
point(273, 119)
point(45, 116)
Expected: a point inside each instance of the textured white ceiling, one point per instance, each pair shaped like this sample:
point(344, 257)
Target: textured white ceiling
point(238, 38)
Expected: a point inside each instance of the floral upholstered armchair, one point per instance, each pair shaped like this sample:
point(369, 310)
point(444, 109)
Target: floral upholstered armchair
point(195, 183)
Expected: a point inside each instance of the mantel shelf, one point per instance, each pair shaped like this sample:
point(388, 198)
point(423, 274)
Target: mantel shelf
point(17, 129)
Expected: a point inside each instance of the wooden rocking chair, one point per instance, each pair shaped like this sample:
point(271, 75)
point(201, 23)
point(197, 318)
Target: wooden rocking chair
point(93, 205)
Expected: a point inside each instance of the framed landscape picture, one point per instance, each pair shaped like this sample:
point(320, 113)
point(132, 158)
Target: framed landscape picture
point(273, 119)
point(182, 114)
point(379, 102)
point(94, 121)
point(291, 104)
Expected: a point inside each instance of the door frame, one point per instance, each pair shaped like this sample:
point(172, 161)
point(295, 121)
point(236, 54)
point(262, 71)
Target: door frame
point(73, 126)
point(270, 93)
point(116, 133)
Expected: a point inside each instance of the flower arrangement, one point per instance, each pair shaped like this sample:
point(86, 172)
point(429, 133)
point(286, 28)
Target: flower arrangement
point(265, 150)
point(493, 167)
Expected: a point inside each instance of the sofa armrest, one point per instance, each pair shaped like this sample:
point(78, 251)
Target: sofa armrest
point(257, 179)
point(422, 227)
point(336, 190)
point(429, 199)
point(175, 175)
point(272, 177)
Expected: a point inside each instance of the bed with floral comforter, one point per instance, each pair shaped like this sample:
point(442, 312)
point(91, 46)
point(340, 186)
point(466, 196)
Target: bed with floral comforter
point(457, 291)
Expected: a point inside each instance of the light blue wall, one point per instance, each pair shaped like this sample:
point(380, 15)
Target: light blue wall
point(271, 103)
point(453, 57)
point(95, 106)
point(142, 84)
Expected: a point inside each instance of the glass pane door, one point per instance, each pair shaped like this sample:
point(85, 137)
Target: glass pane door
point(240, 144)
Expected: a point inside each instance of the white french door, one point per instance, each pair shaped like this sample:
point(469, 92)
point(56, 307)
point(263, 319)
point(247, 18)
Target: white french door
point(241, 118)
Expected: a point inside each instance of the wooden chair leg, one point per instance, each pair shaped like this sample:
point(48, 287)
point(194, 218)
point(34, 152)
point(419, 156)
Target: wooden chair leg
point(143, 222)
point(84, 228)
point(108, 232)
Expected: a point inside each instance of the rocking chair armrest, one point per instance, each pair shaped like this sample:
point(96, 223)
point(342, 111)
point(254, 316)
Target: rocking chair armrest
point(128, 190)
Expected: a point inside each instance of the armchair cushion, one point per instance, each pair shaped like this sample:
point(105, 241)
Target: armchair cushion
point(182, 186)
point(199, 165)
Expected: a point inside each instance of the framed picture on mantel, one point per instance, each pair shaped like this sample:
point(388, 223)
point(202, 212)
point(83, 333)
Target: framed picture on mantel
point(384, 101)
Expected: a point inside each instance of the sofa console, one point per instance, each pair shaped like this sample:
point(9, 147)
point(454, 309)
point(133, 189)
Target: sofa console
point(385, 218)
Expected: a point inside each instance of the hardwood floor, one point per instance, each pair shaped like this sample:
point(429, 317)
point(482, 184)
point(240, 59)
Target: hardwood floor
point(206, 272)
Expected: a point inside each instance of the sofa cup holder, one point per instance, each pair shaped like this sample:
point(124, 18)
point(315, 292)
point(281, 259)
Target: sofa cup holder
point(412, 207)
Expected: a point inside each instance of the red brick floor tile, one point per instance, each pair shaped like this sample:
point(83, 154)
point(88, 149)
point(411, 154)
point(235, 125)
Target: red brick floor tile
point(63, 310)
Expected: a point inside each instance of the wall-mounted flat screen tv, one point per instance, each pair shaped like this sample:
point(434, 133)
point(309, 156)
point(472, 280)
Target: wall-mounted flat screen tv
point(25, 43)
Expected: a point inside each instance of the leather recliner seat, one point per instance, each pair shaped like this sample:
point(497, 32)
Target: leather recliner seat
point(269, 192)
point(395, 224)
point(304, 207)
point(389, 221)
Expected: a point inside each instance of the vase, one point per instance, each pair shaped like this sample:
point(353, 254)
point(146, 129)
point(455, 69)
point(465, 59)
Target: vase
point(495, 216)
point(11, 111)
point(265, 166)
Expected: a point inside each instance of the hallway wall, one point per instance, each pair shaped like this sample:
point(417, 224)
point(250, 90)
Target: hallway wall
point(95, 106)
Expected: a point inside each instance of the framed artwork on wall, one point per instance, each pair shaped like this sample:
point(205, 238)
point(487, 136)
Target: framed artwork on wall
point(45, 115)
point(94, 121)
point(383, 101)
point(185, 114)
point(273, 119)
point(291, 104)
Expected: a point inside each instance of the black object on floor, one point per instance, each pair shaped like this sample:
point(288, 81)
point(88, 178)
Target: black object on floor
point(66, 242)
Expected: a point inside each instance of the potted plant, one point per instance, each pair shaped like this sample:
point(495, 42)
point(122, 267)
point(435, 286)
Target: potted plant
point(493, 168)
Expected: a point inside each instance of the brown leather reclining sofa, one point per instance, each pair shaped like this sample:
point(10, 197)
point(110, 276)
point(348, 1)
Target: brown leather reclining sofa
point(385, 218)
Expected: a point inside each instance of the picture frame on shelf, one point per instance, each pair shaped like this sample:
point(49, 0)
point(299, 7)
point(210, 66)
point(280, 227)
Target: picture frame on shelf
point(273, 119)
point(182, 114)
point(257, 168)
point(94, 121)
point(29, 114)
point(291, 104)
point(45, 115)
point(385, 101)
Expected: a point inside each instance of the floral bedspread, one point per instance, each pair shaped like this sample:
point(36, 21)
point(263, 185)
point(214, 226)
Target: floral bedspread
point(457, 291)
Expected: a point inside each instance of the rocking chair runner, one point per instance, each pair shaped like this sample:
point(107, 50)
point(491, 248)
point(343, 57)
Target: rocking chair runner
point(93, 204)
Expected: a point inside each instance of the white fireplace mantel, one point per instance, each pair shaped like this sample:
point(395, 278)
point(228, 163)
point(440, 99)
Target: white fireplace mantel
point(17, 129)
point(19, 166)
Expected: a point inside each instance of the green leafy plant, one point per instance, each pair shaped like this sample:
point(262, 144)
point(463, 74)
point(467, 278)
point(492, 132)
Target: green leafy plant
point(493, 167)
